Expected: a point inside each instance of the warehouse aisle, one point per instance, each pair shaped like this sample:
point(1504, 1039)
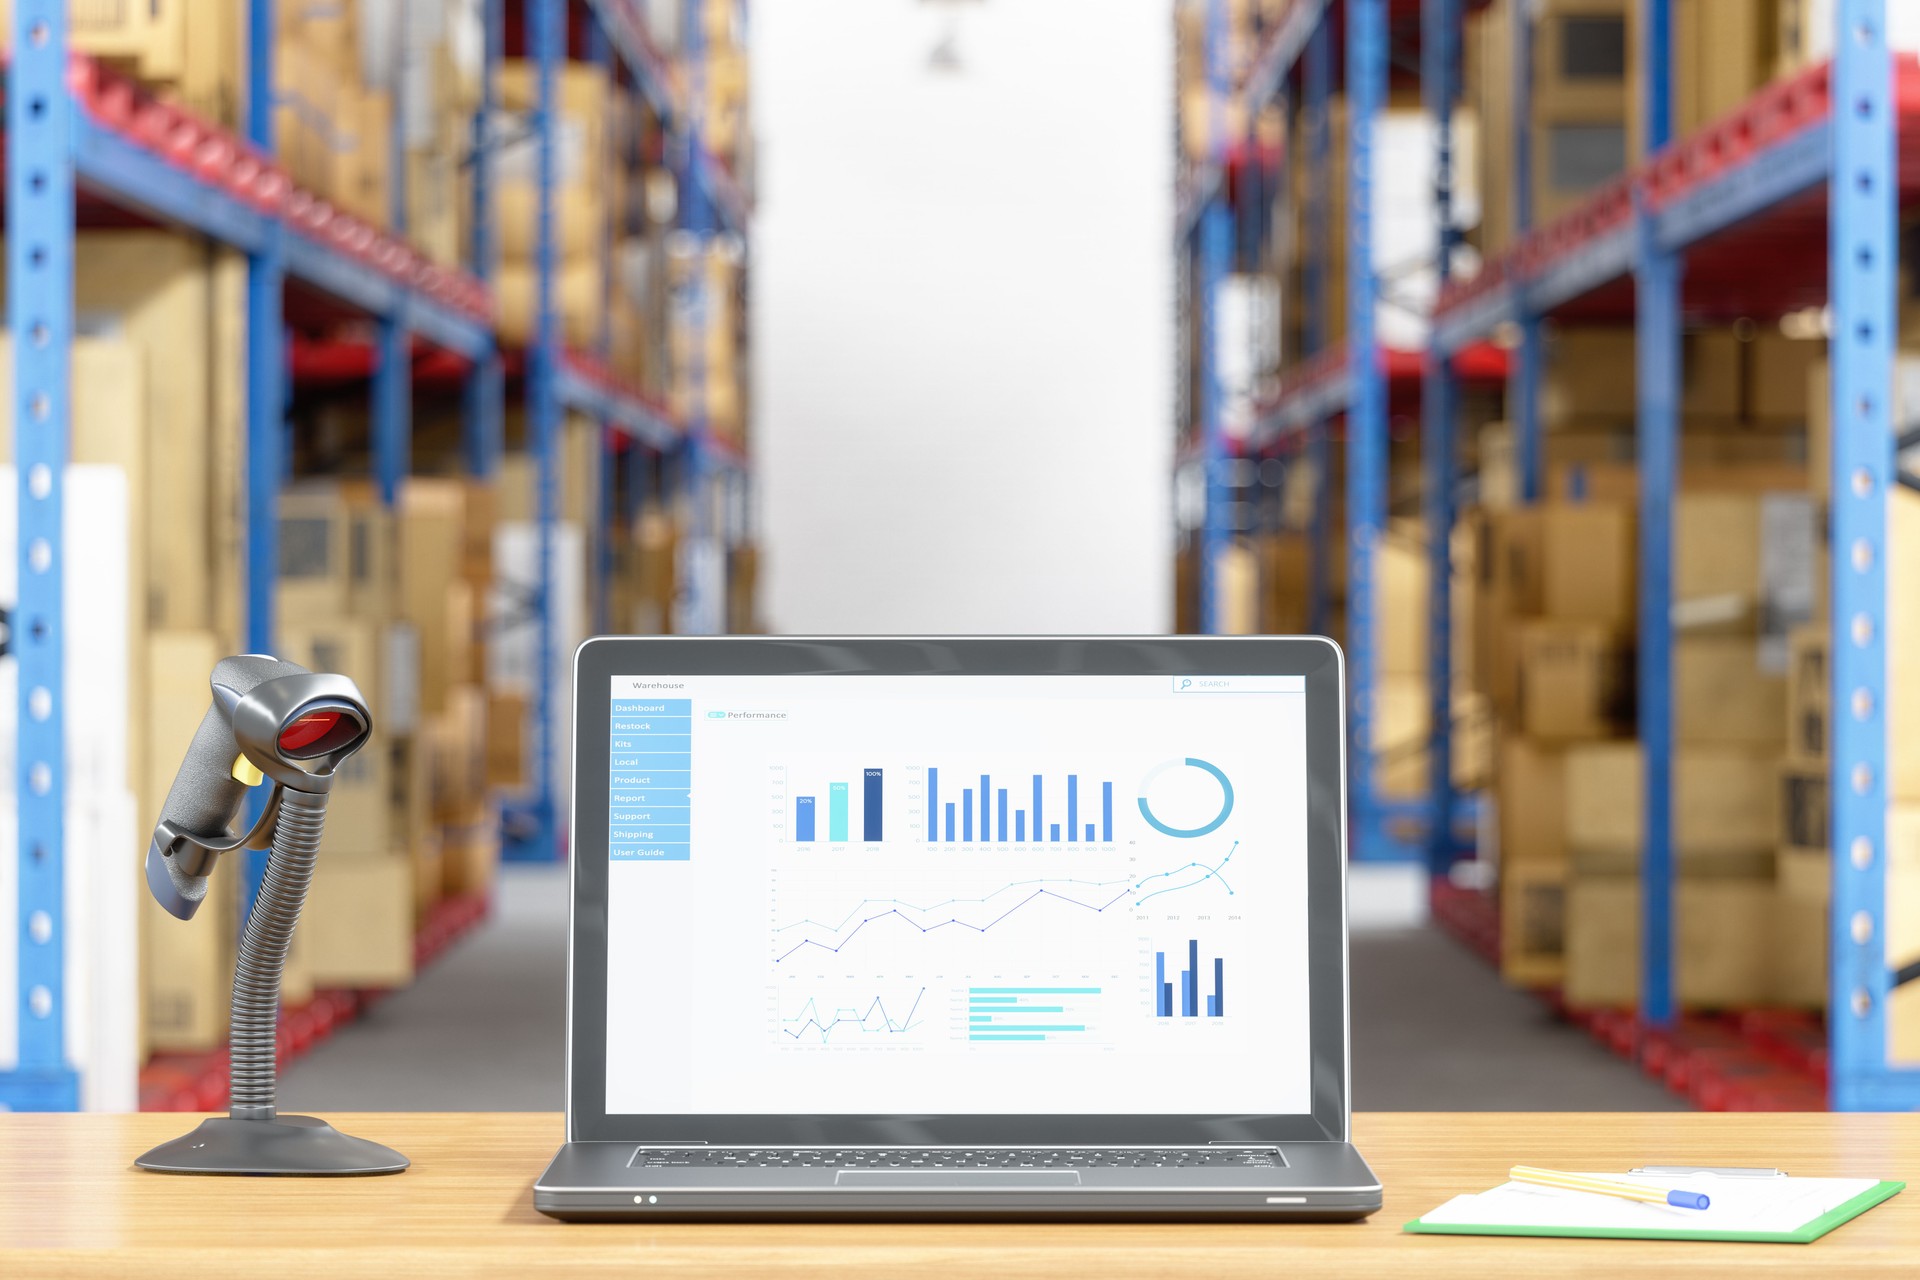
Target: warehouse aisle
point(1433, 1028)
point(483, 1029)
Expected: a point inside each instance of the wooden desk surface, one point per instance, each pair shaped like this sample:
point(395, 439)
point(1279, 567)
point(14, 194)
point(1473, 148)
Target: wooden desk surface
point(71, 1203)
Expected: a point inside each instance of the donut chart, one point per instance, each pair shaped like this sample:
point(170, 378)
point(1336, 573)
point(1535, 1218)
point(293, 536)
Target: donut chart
point(1189, 833)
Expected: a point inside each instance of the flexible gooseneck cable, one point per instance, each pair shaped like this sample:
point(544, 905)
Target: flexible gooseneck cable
point(263, 955)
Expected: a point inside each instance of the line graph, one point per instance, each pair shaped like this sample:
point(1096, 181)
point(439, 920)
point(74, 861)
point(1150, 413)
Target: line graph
point(981, 914)
point(1206, 873)
point(939, 915)
point(812, 1021)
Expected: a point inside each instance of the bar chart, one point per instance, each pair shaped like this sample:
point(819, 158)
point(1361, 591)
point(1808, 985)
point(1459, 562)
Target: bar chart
point(991, 809)
point(1182, 992)
point(872, 826)
point(1029, 1015)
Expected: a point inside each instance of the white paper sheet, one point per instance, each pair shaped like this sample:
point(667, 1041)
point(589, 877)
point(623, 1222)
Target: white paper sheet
point(1738, 1204)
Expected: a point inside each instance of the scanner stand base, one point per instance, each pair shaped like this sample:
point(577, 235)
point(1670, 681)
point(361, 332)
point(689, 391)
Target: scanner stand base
point(285, 1146)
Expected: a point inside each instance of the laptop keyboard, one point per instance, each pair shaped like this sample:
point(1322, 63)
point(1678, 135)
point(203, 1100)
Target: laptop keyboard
point(957, 1158)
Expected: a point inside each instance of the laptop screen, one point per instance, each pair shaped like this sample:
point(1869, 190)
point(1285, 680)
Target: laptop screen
point(957, 894)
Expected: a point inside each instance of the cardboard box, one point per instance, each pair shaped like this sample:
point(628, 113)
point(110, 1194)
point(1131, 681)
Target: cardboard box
point(1722, 941)
point(1575, 153)
point(336, 554)
point(470, 855)
point(506, 738)
point(1576, 682)
point(1712, 375)
point(1400, 602)
point(1779, 371)
point(432, 517)
point(459, 743)
point(1590, 375)
point(1583, 53)
point(1530, 803)
point(410, 797)
point(1723, 802)
point(146, 39)
point(1402, 715)
point(1533, 923)
point(1800, 930)
point(427, 865)
point(1724, 52)
point(1746, 563)
point(577, 300)
point(1805, 823)
point(1509, 565)
point(358, 924)
point(1809, 689)
point(1590, 556)
point(1721, 697)
point(1473, 741)
point(157, 290)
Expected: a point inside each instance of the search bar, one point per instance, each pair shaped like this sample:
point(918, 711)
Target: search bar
point(1239, 684)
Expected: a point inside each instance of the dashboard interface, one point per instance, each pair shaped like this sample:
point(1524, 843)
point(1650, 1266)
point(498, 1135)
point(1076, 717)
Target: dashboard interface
point(957, 894)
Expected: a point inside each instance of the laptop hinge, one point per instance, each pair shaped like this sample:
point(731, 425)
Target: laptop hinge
point(1235, 1142)
point(668, 1142)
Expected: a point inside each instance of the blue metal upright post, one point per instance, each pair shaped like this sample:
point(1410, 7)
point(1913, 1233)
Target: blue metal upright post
point(698, 220)
point(1366, 411)
point(537, 840)
point(40, 317)
point(1215, 231)
point(481, 425)
point(266, 390)
point(1523, 390)
point(600, 535)
point(1439, 54)
point(1317, 86)
point(1657, 351)
point(393, 363)
point(1862, 202)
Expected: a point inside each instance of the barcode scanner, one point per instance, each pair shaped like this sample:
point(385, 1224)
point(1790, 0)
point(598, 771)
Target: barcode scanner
point(270, 721)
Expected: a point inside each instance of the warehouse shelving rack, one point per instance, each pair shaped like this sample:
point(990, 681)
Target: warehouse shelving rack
point(1347, 378)
point(710, 202)
point(75, 131)
point(1813, 171)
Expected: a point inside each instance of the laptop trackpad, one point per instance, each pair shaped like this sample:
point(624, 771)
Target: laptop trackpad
point(902, 1178)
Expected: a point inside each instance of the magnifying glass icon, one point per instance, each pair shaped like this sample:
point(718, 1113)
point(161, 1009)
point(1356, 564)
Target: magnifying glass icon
point(1186, 684)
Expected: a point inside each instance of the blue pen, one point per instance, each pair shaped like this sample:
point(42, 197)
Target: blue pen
point(1608, 1187)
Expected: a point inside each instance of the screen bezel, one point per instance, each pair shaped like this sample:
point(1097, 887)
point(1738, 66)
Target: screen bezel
point(1317, 659)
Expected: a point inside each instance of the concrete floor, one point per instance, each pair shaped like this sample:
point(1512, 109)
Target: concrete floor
point(1433, 1028)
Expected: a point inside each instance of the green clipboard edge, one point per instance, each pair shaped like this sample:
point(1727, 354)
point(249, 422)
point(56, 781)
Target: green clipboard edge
point(1805, 1235)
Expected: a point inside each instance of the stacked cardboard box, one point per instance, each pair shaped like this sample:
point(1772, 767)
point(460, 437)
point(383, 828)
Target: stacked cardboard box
point(582, 165)
point(389, 598)
point(708, 328)
point(1554, 626)
point(353, 81)
point(1583, 111)
point(186, 53)
point(1208, 119)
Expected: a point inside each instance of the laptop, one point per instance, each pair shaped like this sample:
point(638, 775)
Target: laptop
point(958, 928)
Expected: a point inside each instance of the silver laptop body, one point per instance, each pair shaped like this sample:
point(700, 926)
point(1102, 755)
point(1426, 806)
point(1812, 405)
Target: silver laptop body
point(988, 928)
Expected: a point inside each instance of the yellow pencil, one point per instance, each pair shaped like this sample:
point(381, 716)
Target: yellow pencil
point(1607, 1187)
